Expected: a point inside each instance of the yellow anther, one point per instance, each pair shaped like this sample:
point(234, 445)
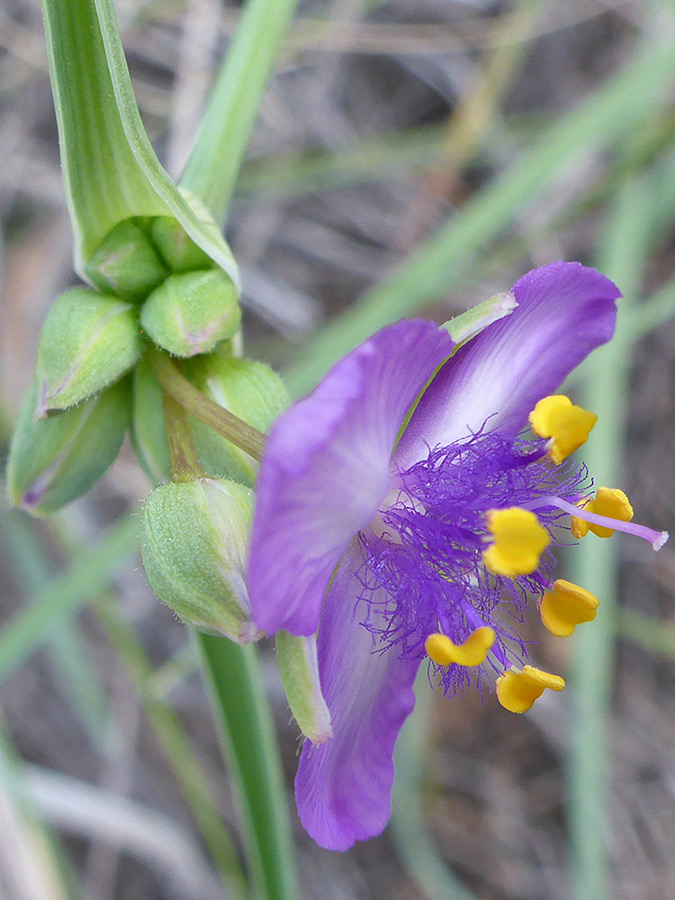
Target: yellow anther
point(517, 691)
point(519, 542)
point(567, 425)
point(567, 606)
point(472, 652)
point(610, 502)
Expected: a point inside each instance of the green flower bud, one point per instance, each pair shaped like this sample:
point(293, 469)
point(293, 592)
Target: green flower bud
point(179, 252)
point(194, 554)
point(88, 341)
point(299, 670)
point(54, 460)
point(148, 431)
point(126, 262)
point(192, 312)
point(248, 389)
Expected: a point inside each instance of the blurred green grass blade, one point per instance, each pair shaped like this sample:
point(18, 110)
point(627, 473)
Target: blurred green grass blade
point(89, 574)
point(69, 652)
point(612, 111)
point(212, 169)
point(373, 158)
point(594, 564)
point(55, 877)
point(415, 849)
point(247, 735)
point(652, 634)
point(183, 761)
point(656, 311)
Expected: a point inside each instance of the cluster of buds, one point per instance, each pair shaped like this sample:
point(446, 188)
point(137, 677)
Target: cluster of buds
point(154, 295)
point(158, 303)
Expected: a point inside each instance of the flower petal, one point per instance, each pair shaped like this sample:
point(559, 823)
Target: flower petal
point(325, 470)
point(343, 787)
point(565, 310)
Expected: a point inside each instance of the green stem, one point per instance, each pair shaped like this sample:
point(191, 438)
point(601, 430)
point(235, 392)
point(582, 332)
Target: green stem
point(595, 563)
point(241, 713)
point(185, 464)
point(247, 736)
point(176, 385)
point(213, 166)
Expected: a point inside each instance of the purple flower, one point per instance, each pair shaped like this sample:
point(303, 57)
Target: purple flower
point(403, 541)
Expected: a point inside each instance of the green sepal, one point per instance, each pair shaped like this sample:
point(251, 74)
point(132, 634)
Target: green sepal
point(126, 262)
point(55, 460)
point(110, 169)
point(192, 312)
point(88, 341)
point(247, 388)
point(179, 252)
point(474, 320)
point(463, 328)
point(299, 670)
point(194, 553)
point(148, 429)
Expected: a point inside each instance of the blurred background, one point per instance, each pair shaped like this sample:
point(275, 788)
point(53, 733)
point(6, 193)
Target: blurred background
point(411, 157)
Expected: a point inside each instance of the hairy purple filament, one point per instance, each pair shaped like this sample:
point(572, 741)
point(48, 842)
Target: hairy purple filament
point(423, 565)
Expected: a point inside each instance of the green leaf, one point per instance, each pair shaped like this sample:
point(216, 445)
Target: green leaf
point(110, 170)
point(246, 732)
point(212, 169)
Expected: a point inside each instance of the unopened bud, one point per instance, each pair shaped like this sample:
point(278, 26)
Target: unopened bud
point(299, 670)
point(194, 554)
point(126, 262)
point(192, 312)
point(179, 252)
point(148, 428)
point(55, 460)
point(87, 342)
point(247, 388)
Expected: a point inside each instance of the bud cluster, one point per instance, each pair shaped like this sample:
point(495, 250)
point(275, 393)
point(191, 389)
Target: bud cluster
point(150, 280)
point(154, 289)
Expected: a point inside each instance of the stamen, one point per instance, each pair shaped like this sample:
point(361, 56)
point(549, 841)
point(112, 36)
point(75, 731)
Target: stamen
point(567, 426)
point(656, 538)
point(609, 502)
point(519, 542)
point(472, 652)
point(567, 606)
point(517, 691)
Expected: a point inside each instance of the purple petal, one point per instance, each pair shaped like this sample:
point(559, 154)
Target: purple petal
point(565, 310)
point(325, 470)
point(343, 787)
